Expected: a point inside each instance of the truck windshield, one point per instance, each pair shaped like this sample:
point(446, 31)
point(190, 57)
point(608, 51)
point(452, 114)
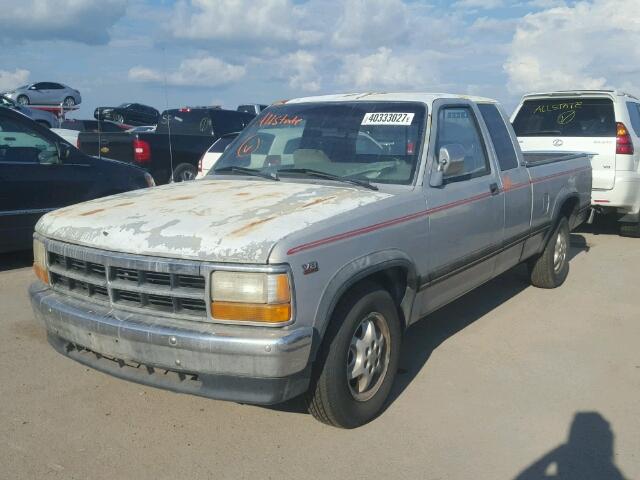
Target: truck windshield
point(566, 117)
point(374, 141)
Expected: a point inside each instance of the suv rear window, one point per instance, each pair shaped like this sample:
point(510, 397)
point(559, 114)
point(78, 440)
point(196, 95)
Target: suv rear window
point(566, 117)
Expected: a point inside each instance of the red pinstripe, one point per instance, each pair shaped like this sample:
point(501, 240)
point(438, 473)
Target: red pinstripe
point(422, 213)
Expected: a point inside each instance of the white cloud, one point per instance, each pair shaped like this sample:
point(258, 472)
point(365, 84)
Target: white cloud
point(10, 80)
point(479, 4)
point(386, 69)
point(587, 45)
point(85, 21)
point(241, 21)
point(200, 71)
point(305, 76)
point(372, 23)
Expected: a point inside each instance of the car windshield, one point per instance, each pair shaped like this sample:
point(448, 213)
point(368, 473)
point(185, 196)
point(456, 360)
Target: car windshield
point(372, 141)
point(124, 105)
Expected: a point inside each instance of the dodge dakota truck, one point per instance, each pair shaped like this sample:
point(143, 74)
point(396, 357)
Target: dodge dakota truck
point(329, 226)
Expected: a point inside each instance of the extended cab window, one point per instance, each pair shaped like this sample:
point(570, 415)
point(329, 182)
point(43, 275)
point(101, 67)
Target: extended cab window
point(566, 117)
point(374, 141)
point(500, 137)
point(21, 144)
point(457, 127)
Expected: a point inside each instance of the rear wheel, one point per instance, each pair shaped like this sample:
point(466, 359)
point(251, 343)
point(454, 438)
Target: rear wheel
point(630, 229)
point(551, 268)
point(184, 172)
point(23, 100)
point(118, 118)
point(357, 364)
point(69, 102)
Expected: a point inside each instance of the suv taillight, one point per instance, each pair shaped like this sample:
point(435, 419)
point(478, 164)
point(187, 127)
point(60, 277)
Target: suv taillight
point(624, 144)
point(200, 162)
point(141, 151)
point(78, 142)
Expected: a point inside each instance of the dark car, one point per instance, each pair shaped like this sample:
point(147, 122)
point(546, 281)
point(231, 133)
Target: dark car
point(40, 172)
point(128, 113)
point(173, 151)
point(92, 126)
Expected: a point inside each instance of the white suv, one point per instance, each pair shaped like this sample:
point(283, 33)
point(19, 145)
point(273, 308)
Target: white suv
point(606, 122)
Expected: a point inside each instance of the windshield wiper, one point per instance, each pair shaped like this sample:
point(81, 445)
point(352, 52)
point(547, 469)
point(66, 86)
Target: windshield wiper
point(247, 171)
point(329, 176)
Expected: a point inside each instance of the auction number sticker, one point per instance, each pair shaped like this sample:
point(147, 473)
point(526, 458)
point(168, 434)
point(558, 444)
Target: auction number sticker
point(387, 118)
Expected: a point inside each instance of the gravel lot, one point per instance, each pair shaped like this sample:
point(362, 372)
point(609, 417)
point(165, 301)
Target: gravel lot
point(490, 388)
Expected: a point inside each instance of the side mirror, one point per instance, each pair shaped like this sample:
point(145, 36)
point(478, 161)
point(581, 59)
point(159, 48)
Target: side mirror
point(450, 162)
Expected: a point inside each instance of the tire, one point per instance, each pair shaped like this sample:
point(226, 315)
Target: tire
point(630, 230)
point(184, 172)
point(69, 102)
point(23, 100)
point(550, 269)
point(118, 118)
point(332, 398)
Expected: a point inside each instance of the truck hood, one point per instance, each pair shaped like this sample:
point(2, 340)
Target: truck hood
point(215, 220)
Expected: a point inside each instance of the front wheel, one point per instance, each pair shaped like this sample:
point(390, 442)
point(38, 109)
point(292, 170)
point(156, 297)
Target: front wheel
point(23, 100)
point(184, 172)
point(357, 364)
point(69, 102)
point(550, 269)
point(118, 118)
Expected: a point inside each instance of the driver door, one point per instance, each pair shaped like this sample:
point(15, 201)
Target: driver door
point(466, 212)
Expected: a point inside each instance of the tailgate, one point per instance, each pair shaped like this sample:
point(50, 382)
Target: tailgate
point(603, 164)
point(118, 146)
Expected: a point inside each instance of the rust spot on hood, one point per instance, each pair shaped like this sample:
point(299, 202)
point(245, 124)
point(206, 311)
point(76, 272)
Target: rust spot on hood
point(91, 212)
point(242, 194)
point(186, 197)
point(123, 204)
point(317, 201)
point(249, 226)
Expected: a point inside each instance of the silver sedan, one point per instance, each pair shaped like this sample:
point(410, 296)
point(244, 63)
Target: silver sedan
point(45, 93)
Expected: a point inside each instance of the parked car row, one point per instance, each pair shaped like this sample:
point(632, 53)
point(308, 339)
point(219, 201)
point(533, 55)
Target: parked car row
point(40, 172)
point(172, 151)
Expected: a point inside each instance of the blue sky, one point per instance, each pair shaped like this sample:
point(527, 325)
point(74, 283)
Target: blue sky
point(235, 51)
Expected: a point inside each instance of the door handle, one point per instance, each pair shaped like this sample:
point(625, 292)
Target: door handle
point(493, 188)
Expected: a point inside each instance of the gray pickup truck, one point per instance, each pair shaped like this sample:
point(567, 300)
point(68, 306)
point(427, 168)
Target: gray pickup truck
point(328, 227)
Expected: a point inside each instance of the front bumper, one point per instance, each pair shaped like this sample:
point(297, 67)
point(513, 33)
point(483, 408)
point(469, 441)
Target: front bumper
point(244, 364)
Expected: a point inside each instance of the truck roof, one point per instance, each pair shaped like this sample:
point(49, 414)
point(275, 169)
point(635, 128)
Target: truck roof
point(427, 98)
point(559, 93)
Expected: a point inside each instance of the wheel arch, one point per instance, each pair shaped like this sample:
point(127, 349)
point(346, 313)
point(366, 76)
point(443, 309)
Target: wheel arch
point(393, 270)
point(568, 207)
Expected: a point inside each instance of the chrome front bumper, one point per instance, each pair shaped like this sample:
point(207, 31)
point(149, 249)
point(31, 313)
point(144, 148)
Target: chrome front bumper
point(239, 363)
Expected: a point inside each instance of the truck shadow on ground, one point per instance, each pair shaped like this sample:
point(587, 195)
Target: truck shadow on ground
point(15, 260)
point(587, 453)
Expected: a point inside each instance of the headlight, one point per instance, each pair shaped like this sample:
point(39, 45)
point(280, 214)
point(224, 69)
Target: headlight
point(40, 261)
point(250, 297)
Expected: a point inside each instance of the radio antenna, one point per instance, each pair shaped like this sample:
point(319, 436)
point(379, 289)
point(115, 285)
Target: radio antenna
point(166, 103)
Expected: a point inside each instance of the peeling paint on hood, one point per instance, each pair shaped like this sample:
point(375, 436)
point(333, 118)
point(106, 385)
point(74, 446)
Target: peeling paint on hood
point(215, 220)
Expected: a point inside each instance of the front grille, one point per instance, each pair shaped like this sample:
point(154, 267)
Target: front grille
point(107, 280)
